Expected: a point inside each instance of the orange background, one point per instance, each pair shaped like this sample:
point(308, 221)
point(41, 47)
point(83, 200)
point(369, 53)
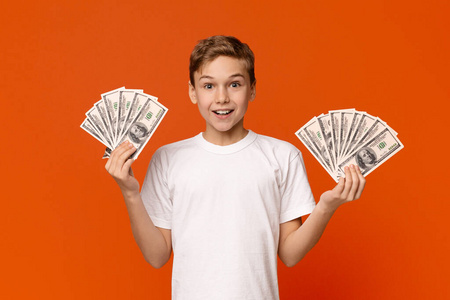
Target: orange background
point(65, 230)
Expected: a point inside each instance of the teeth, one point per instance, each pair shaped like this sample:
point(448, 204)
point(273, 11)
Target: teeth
point(223, 112)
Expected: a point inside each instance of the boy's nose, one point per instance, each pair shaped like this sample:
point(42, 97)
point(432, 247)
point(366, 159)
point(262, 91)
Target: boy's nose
point(222, 96)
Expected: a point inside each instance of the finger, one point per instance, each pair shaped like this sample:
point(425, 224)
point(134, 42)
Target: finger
point(111, 164)
point(125, 155)
point(110, 160)
point(348, 183)
point(118, 157)
point(121, 158)
point(340, 185)
point(362, 183)
point(127, 167)
point(355, 183)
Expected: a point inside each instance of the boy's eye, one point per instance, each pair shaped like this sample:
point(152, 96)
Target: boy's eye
point(235, 84)
point(208, 86)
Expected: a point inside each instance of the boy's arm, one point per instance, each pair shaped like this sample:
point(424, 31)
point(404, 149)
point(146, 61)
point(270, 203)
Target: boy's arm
point(297, 239)
point(155, 243)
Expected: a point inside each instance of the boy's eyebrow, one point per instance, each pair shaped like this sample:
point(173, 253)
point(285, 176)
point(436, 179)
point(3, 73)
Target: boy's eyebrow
point(210, 77)
point(237, 75)
point(205, 77)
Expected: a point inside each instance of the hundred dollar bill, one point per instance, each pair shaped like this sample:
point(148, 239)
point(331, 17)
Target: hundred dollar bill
point(346, 121)
point(376, 128)
point(125, 99)
point(138, 101)
point(111, 101)
point(335, 129)
point(316, 136)
point(336, 124)
point(98, 123)
point(144, 125)
point(364, 125)
point(303, 136)
point(304, 139)
point(374, 153)
point(325, 126)
point(352, 129)
point(101, 109)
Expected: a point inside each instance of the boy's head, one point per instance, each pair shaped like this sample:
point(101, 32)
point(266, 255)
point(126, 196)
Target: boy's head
point(210, 48)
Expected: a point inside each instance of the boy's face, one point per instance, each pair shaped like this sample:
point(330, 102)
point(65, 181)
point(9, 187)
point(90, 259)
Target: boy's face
point(222, 92)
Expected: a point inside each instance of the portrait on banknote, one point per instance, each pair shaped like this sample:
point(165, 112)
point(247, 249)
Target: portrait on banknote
point(138, 132)
point(366, 158)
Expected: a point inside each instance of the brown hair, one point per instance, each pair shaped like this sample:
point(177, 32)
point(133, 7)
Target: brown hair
point(210, 48)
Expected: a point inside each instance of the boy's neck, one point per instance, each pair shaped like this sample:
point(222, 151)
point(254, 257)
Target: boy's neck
point(225, 138)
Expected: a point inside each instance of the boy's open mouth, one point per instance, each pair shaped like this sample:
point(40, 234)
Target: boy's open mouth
point(222, 112)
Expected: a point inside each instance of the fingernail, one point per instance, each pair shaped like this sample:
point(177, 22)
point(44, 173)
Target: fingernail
point(352, 166)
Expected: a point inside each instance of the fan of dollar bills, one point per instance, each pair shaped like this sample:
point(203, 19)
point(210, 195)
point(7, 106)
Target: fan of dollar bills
point(344, 137)
point(124, 115)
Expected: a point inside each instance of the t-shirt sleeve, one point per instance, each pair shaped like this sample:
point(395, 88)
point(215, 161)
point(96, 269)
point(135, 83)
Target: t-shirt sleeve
point(297, 199)
point(156, 195)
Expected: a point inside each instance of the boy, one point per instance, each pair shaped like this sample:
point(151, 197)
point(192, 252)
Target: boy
point(227, 200)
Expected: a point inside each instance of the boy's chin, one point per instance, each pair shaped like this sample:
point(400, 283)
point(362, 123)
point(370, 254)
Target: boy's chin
point(227, 129)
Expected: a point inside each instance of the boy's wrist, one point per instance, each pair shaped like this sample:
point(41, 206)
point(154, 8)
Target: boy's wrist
point(131, 197)
point(325, 207)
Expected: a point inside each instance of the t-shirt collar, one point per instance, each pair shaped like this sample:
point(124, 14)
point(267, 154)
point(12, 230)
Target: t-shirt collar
point(228, 149)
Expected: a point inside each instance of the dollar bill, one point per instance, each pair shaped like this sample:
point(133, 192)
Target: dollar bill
point(98, 123)
point(314, 149)
point(138, 101)
point(335, 130)
point(111, 102)
point(345, 122)
point(376, 128)
point(144, 125)
point(325, 126)
point(353, 127)
point(125, 99)
point(364, 125)
point(317, 138)
point(374, 152)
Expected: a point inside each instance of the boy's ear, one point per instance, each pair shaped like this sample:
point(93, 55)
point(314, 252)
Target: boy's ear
point(253, 91)
point(192, 93)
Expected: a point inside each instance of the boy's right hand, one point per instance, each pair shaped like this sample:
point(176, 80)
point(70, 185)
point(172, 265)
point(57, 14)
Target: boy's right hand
point(119, 166)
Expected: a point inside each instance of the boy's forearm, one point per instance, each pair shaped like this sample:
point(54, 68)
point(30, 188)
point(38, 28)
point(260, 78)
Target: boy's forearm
point(151, 241)
point(296, 243)
point(301, 241)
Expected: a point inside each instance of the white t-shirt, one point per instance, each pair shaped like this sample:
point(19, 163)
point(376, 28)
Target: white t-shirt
point(224, 206)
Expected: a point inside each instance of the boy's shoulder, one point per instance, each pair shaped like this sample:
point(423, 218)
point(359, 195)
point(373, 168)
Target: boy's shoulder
point(277, 145)
point(177, 146)
point(175, 151)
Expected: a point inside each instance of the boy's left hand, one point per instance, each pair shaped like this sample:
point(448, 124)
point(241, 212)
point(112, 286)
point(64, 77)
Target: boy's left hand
point(348, 189)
